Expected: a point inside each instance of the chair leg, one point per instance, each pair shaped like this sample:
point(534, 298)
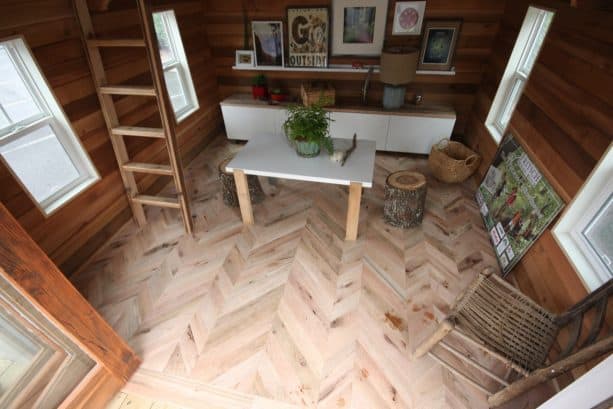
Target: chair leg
point(441, 332)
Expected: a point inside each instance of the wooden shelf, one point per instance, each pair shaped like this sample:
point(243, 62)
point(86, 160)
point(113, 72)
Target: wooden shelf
point(345, 68)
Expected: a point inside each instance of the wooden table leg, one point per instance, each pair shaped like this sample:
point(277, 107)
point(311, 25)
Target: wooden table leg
point(244, 200)
point(353, 211)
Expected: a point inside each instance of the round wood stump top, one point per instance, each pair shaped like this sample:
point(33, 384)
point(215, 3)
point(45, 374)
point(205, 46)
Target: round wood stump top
point(406, 180)
point(223, 164)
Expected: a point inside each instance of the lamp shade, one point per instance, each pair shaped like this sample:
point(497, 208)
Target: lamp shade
point(398, 65)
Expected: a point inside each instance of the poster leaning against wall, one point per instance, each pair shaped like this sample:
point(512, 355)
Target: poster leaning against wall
point(516, 202)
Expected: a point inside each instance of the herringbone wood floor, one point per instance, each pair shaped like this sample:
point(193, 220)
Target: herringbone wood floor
point(285, 313)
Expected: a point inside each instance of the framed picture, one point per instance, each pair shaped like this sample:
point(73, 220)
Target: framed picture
point(358, 27)
point(244, 58)
point(268, 43)
point(308, 33)
point(516, 202)
point(438, 45)
point(408, 17)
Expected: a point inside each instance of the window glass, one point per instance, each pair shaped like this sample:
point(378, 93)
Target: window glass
point(509, 107)
point(164, 43)
point(17, 101)
point(175, 89)
point(41, 162)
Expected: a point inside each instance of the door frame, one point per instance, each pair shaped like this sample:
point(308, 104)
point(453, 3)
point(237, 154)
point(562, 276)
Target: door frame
point(30, 271)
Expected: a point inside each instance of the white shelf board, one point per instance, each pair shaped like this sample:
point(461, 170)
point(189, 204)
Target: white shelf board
point(335, 68)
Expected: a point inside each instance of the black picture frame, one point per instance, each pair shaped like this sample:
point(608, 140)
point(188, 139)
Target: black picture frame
point(438, 45)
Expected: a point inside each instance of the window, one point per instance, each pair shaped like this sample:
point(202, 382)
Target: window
point(526, 49)
point(585, 231)
point(37, 142)
point(176, 71)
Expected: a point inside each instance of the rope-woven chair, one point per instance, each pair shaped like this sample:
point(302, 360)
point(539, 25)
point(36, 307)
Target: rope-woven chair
point(495, 317)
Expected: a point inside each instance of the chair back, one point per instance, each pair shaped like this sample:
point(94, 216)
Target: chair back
point(574, 320)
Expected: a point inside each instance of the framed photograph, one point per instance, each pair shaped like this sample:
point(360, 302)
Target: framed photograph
point(438, 45)
point(408, 17)
point(244, 58)
point(358, 27)
point(516, 202)
point(308, 36)
point(268, 43)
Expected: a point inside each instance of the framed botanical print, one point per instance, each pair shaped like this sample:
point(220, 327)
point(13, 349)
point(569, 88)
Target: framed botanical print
point(268, 43)
point(308, 33)
point(358, 27)
point(408, 17)
point(438, 45)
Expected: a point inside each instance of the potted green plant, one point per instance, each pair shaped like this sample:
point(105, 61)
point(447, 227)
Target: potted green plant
point(277, 95)
point(258, 87)
point(308, 128)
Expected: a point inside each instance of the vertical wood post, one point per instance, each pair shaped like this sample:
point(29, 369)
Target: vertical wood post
point(353, 211)
point(244, 199)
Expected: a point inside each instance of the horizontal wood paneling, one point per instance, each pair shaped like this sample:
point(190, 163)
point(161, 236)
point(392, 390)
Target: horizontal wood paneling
point(564, 119)
point(224, 26)
point(51, 29)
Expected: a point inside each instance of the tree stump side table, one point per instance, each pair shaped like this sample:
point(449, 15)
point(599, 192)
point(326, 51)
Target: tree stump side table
point(230, 198)
point(405, 198)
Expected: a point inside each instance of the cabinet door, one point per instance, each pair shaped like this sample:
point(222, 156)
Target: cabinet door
point(417, 134)
point(367, 126)
point(244, 122)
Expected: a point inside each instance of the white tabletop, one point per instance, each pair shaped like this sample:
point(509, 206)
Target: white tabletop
point(273, 156)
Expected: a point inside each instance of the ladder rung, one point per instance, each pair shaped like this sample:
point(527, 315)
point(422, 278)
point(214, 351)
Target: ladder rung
point(128, 90)
point(139, 131)
point(116, 42)
point(152, 168)
point(157, 201)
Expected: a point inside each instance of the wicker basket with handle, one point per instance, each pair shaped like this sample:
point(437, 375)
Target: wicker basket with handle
point(452, 162)
point(317, 93)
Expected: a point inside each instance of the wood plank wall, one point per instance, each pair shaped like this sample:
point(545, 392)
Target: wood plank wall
point(224, 25)
point(564, 119)
point(51, 29)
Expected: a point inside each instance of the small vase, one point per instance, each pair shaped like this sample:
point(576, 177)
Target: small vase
point(307, 149)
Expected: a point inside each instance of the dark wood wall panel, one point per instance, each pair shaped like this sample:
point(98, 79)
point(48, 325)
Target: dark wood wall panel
point(224, 26)
point(564, 120)
point(51, 29)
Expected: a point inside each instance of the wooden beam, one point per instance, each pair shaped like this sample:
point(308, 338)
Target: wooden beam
point(353, 211)
point(244, 198)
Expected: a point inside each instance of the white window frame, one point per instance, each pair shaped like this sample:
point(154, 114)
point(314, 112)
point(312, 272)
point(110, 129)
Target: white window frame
point(180, 64)
point(536, 22)
point(568, 231)
point(52, 116)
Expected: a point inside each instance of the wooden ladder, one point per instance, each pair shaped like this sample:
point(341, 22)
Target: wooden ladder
point(117, 132)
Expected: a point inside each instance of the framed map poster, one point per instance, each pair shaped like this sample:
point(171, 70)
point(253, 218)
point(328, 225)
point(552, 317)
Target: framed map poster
point(308, 36)
point(516, 202)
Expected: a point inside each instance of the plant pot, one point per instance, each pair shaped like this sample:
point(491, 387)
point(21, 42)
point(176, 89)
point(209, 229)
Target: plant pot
point(258, 91)
point(307, 149)
point(278, 97)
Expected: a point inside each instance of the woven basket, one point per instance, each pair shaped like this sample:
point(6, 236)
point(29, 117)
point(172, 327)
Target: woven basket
point(452, 162)
point(314, 93)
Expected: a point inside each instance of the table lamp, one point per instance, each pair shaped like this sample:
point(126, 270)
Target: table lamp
point(398, 67)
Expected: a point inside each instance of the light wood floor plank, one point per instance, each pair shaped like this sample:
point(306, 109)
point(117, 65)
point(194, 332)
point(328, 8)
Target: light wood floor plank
point(286, 313)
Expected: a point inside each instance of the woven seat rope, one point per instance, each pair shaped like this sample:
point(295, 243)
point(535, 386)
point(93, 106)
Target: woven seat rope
point(506, 321)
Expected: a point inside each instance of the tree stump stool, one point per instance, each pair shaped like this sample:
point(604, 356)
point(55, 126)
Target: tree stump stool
point(228, 187)
point(405, 198)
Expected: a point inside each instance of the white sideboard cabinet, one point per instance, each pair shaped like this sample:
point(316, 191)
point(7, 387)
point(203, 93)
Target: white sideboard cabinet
point(410, 129)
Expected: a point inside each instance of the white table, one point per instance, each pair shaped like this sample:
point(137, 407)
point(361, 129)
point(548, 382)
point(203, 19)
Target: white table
point(273, 156)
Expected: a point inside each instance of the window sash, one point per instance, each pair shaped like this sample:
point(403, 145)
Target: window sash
point(53, 117)
point(179, 63)
point(29, 83)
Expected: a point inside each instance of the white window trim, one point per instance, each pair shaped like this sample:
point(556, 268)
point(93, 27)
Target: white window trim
point(515, 74)
point(60, 124)
point(588, 201)
point(181, 65)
